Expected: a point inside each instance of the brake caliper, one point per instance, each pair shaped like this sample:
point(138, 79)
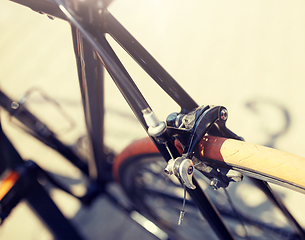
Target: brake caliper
point(189, 129)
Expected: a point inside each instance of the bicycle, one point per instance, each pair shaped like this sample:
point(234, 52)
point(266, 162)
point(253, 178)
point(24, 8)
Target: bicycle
point(140, 200)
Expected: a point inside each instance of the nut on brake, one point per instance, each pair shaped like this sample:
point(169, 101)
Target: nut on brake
point(169, 169)
point(184, 169)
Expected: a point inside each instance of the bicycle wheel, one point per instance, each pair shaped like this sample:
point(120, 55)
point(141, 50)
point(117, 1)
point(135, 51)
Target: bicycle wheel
point(139, 170)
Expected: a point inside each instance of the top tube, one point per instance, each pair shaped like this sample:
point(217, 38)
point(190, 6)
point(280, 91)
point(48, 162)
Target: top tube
point(48, 7)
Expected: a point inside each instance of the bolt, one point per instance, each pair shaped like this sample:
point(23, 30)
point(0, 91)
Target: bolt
point(167, 171)
point(215, 184)
point(50, 17)
point(190, 170)
point(169, 167)
point(14, 105)
point(170, 120)
point(224, 114)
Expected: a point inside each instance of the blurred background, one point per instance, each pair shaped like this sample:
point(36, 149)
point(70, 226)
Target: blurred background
point(248, 56)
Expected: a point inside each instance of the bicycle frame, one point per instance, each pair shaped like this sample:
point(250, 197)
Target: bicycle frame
point(98, 55)
point(151, 66)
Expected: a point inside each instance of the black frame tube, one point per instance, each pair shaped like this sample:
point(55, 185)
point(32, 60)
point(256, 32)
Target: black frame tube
point(43, 6)
point(148, 63)
point(91, 81)
point(44, 206)
point(122, 87)
point(36, 195)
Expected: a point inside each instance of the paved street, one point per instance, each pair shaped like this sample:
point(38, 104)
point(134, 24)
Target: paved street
point(248, 56)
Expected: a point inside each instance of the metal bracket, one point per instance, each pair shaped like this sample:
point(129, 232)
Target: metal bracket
point(189, 129)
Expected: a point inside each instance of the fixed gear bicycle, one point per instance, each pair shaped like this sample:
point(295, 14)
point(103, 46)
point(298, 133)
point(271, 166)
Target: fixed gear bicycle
point(188, 133)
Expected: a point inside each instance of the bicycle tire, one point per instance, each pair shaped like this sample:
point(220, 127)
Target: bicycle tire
point(139, 169)
point(277, 166)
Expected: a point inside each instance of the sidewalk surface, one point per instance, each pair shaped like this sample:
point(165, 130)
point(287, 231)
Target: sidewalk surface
point(248, 56)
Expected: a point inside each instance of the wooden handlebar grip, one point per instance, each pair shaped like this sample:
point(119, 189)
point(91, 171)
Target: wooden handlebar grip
point(272, 162)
